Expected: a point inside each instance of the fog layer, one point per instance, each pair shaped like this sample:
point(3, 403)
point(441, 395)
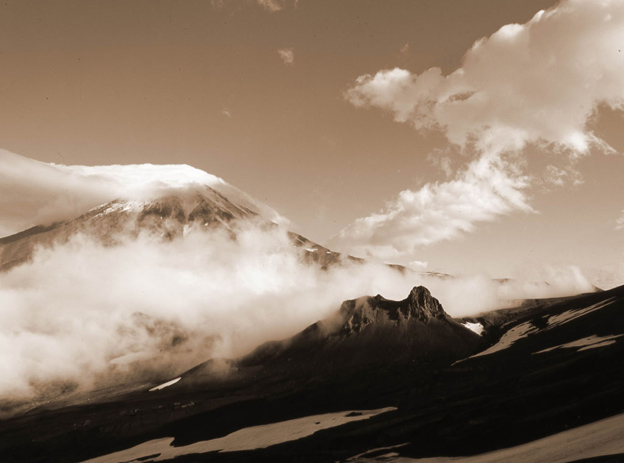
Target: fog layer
point(85, 315)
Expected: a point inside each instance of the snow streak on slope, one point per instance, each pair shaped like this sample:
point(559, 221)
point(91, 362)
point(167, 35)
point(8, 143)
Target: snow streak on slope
point(254, 437)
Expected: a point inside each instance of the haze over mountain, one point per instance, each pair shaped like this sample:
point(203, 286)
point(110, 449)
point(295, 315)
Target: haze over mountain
point(162, 282)
point(364, 333)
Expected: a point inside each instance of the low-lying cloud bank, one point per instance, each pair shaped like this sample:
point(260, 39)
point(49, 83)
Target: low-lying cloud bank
point(85, 315)
point(538, 83)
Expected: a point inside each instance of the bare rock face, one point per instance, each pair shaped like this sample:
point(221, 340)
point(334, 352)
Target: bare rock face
point(419, 305)
point(422, 305)
point(370, 331)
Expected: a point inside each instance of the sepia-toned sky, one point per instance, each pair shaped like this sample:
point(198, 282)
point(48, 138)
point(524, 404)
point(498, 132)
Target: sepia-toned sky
point(349, 117)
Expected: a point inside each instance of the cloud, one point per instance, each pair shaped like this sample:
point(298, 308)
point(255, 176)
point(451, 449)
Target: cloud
point(540, 81)
point(35, 193)
point(536, 83)
point(287, 55)
point(619, 223)
point(560, 177)
point(276, 5)
point(438, 159)
point(418, 265)
point(84, 314)
point(440, 211)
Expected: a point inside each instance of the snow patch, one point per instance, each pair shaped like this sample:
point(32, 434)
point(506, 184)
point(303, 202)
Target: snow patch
point(255, 437)
point(125, 206)
point(570, 315)
point(510, 337)
point(590, 342)
point(476, 327)
point(524, 329)
point(164, 385)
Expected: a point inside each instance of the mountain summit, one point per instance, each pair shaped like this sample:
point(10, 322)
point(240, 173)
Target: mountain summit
point(419, 305)
point(165, 215)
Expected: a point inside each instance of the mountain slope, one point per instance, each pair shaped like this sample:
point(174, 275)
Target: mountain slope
point(365, 332)
point(166, 216)
point(505, 398)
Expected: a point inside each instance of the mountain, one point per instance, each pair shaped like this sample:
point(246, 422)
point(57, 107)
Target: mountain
point(364, 332)
point(542, 369)
point(112, 222)
point(38, 193)
point(170, 214)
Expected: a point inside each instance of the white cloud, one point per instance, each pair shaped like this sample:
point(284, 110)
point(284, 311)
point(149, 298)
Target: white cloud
point(88, 314)
point(535, 83)
point(489, 187)
point(287, 55)
point(276, 5)
point(619, 223)
point(438, 159)
point(561, 177)
point(418, 265)
point(540, 81)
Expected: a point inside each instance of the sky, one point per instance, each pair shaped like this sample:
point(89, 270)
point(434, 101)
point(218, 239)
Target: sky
point(462, 137)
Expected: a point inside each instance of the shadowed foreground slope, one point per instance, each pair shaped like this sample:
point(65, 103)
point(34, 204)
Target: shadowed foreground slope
point(545, 369)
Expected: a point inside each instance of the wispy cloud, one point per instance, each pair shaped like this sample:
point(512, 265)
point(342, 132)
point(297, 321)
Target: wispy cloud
point(561, 177)
point(287, 55)
point(87, 314)
point(535, 83)
point(619, 223)
point(488, 188)
point(277, 5)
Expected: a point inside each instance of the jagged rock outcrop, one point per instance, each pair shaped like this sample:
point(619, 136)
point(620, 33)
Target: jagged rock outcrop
point(368, 331)
point(419, 305)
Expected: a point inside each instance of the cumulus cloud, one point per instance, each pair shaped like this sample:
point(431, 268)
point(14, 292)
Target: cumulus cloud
point(534, 83)
point(85, 315)
point(540, 81)
point(287, 55)
point(36, 193)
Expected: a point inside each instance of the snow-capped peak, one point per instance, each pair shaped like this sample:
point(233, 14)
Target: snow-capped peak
point(58, 192)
